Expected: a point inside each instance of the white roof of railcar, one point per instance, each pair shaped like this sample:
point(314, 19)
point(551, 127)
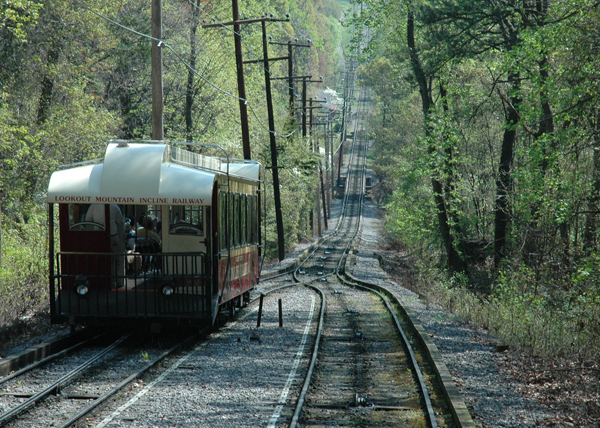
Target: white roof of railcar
point(139, 173)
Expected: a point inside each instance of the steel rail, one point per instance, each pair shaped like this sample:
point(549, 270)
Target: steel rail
point(128, 380)
point(409, 349)
point(56, 386)
point(358, 179)
point(47, 359)
point(313, 359)
point(343, 214)
point(418, 373)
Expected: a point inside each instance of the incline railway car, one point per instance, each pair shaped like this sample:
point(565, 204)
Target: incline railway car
point(153, 233)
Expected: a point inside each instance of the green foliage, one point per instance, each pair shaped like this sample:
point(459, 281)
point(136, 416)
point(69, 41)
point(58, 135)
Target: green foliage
point(21, 160)
point(483, 62)
point(16, 15)
point(409, 216)
point(298, 183)
point(524, 314)
point(24, 270)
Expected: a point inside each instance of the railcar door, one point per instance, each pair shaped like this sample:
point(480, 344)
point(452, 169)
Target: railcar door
point(86, 244)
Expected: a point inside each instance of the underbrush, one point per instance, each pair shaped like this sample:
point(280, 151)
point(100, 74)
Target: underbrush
point(24, 272)
point(539, 318)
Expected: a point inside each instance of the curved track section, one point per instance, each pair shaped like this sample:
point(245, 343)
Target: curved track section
point(363, 371)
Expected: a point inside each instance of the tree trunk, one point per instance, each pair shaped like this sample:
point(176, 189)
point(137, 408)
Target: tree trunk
point(455, 261)
point(504, 180)
point(547, 119)
point(594, 198)
point(512, 118)
point(449, 174)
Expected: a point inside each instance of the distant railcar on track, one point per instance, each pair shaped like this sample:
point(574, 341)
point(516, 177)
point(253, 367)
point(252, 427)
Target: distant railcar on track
point(153, 233)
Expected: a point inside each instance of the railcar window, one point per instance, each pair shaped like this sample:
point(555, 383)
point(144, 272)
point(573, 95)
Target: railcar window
point(223, 220)
point(77, 221)
point(230, 221)
point(254, 219)
point(244, 219)
point(185, 220)
point(236, 219)
point(135, 214)
point(247, 220)
point(252, 207)
point(154, 211)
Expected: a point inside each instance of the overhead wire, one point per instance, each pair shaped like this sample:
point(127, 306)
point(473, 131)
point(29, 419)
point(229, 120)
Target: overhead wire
point(256, 58)
point(215, 20)
point(161, 42)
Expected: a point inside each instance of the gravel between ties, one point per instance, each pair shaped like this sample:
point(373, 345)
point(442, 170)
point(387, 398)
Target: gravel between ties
point(222, 387)
point(236, 379)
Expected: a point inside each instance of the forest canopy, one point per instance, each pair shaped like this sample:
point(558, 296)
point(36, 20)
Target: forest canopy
point(486, 133)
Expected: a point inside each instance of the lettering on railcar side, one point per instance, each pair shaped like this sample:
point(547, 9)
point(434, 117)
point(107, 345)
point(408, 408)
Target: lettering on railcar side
point(72, 199)
point(159, 201)
point(188, 201)
point(128, 200)
point(113, 200)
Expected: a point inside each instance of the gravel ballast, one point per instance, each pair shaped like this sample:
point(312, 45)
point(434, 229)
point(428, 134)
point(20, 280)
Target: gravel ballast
point(242, 377)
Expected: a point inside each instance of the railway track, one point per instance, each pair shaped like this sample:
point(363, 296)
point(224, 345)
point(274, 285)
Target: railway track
point(67, 386)
point(364, 371)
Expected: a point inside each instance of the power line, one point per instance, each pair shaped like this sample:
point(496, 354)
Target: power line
point(161, 42)
point(165, 44)
point(213, 18)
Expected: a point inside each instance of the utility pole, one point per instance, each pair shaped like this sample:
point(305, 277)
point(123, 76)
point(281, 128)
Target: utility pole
point(326, 204)
point(274, 167)
point(240, 80)
point(314, 149)
point(158, 132)
point(330, 168)
point(348, 92)
point(320, 185)
point(304, 107)
point(305, 112)
point(305, 80)
point(342, 140)
point(327, 118)
point(291, 77)
point(239, 61)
